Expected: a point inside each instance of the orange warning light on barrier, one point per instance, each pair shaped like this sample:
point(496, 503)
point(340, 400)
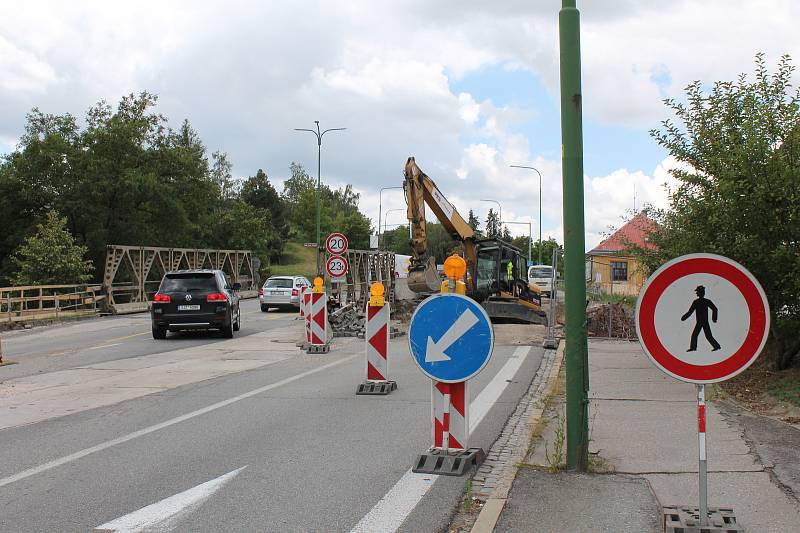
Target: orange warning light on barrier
point(319, 285)
point(376, 292)
point(455, 267)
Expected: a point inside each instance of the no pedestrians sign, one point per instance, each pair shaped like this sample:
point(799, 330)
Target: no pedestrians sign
point(702, 318)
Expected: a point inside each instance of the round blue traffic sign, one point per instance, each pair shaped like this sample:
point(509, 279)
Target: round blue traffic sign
point(450, 337)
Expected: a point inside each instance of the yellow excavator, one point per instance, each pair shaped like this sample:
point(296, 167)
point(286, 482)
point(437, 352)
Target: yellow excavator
point(497, 273)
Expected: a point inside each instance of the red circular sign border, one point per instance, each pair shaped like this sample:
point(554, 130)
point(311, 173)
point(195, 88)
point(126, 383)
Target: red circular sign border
point(331, 236)
point(728, 269)
point(346, 264)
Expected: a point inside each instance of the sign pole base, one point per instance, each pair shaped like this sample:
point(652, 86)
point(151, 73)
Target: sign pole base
point(376, 388)
point(450, 462)
point(683, 519)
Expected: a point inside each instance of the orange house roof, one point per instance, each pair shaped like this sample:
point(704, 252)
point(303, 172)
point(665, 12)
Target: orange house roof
point(633, 232)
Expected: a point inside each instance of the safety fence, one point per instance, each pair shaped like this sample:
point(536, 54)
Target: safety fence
point(366, 266)
point(43, 302)
point(606, 315)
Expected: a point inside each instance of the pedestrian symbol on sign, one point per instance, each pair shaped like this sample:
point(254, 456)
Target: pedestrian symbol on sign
point(700, 309)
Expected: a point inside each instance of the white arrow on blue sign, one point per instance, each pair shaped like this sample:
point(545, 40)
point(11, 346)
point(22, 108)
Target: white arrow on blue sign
point(450, 337)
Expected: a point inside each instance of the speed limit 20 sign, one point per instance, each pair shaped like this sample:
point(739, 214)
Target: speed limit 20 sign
point(337, 268)
point(702, 318)
point(336, 244)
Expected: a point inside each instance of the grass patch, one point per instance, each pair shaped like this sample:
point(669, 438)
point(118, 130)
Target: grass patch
point(297, 260)
point(785, 387)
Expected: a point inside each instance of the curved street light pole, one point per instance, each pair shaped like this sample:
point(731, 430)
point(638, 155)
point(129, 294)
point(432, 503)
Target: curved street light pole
point(530, 235)
point(540, 206)
point(319, 135)
point(386, 216)
point(379, 211)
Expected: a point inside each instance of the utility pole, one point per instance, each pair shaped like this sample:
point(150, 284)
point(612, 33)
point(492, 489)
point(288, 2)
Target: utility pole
point(577, 361)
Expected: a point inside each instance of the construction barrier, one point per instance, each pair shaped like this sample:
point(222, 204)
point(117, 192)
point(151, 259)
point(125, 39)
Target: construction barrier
point(450, 412)
point(319, 318)
point(302, 305)
point(307, 314)
point(377, 345)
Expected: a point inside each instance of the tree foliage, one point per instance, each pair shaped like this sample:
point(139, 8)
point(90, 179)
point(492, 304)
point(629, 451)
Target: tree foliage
point(738, 192)
point(50, 256)
point(473, 221)
point(492, 224)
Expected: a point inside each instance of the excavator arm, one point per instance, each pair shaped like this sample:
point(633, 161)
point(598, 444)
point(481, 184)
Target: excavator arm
point(420, 190)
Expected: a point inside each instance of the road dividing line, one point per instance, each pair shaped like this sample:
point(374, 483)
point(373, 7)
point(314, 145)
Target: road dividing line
point(171, 422)
point(164, 515)
point(393, 509)
point(105, 346)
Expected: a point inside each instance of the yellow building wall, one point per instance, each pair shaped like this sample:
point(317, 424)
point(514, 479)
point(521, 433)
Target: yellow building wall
point(601, 264)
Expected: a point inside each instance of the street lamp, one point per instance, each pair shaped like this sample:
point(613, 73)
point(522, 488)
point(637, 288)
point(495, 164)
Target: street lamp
point(379, 212)
point(319, 173)
point(500, 211)
point(386, 216)
point(530, 235)
point(540, 206)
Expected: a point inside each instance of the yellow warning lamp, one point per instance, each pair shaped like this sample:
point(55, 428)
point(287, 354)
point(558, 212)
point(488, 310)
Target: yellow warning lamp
point(319, 285)
point(376, 292)
point(455, 267)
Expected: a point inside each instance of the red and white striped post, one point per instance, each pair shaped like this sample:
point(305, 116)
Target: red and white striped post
point(307, 315)
point(377, 344)
point(302, 305)
point(701, 445)
point(450, 413)
point(319, 318)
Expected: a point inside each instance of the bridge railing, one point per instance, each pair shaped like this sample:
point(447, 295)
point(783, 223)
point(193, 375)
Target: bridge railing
point(42, 302)
point(132, 273)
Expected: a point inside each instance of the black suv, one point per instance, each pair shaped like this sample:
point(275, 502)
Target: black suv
point(195, 299)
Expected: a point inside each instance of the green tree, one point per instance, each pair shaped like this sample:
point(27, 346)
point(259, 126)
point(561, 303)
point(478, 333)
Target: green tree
point(506, 235)
point(738, 192)
point(245, 227)
point(473, 221)
point(50, 256)
point(397, 241)
point(492, 224)
point(258, 192)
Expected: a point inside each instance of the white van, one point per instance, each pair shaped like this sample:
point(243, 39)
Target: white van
point(542, 277)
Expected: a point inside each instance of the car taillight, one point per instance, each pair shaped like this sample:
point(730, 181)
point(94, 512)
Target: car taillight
point(295, 292)
point(216, 297)
point(261, 291)
point(162, 298)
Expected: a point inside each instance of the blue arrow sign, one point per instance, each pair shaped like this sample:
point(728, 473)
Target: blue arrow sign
point(450, 337)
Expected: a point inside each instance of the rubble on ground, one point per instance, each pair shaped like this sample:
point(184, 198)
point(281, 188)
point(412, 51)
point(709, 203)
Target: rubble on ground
point(622, 323)
point(350, 321)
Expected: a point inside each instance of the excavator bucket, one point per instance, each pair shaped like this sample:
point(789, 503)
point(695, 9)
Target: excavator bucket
point(423, 277)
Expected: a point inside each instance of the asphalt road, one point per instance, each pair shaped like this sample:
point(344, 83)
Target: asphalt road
point(285, 447)
point(102, 339)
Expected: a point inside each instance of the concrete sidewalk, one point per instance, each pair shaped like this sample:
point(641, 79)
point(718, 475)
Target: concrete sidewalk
point(643, 435)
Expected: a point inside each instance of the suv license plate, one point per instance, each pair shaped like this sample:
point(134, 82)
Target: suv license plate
point(188, 308)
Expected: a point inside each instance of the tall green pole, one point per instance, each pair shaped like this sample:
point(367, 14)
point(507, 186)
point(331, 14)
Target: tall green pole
point(574, 243)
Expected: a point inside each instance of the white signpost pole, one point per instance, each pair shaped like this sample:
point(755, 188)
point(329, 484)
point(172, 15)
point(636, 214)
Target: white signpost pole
point(703, 465)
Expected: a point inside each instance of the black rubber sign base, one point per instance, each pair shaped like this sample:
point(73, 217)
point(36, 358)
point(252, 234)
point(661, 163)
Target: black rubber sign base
point(318, 348)
point(376, 388)
point(452, 463)
point(682, 519)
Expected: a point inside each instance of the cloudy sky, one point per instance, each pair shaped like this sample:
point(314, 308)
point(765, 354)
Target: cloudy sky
point(467, 87)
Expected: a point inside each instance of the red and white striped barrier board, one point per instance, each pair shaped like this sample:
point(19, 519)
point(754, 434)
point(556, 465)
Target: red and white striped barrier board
point(377, 337)
point(307, 311)
point(319, 310)
point(302, 302)
point(450, 412)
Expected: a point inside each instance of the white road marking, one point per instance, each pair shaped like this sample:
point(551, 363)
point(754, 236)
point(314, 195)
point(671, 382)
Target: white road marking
point(105, 346)
point(164, 515)
point(171, 422)
point(393, 509)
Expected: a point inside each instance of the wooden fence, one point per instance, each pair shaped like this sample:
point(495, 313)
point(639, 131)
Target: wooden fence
point(41, 302)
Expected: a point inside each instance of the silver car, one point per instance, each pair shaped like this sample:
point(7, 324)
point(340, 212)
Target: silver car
point(282, 292)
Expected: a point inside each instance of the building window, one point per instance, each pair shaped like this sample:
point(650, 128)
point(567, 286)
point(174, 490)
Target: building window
point(619, 270)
